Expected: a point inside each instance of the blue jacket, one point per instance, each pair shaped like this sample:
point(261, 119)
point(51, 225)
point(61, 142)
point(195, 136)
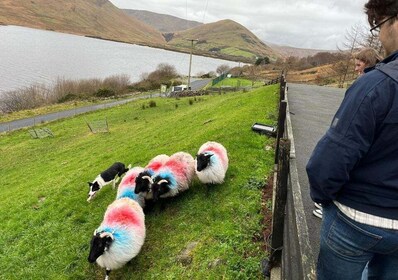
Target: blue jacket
point(356, 161)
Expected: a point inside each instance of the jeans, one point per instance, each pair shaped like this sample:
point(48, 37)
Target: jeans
point(347, 246)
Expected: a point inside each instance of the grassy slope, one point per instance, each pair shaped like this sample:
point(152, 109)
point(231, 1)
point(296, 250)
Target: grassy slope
point(162, 22)
point(84, 17)
point(47, 223)
point(237, 82)
point(228, 35)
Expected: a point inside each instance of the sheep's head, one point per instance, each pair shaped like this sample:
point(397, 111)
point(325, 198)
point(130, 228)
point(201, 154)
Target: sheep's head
point(202, 161)
point(160, 186)
point(93, 189)
point(100, 243)
point(143, 182)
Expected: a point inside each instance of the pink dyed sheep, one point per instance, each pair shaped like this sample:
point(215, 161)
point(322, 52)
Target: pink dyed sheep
point(174, 176)
point(211, 163)
point(120, 236)
point(127, 186)
point(144, 179)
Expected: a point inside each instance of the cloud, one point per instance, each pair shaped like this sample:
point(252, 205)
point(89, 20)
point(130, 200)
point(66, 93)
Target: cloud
point(316, 24)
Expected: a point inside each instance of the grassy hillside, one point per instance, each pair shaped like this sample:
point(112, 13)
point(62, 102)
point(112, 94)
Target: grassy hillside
point(47, 223)
point(225, 37)
point(163, 23)
point(97, 18)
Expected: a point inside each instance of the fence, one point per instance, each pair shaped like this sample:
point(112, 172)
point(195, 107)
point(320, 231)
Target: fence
point(218, 79)
point(290, 246)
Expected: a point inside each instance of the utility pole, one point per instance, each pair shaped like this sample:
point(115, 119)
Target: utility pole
point(190, 63)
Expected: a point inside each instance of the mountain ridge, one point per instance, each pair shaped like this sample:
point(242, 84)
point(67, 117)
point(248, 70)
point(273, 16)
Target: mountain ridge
point(162, 22)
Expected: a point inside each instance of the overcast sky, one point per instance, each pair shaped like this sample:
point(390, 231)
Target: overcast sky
point(314, 24)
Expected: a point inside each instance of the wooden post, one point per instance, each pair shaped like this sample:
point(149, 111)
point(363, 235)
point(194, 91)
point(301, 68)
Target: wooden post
point(278, 216)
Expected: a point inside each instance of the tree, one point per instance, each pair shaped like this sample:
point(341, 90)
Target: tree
point(222, 69)
point(262, 60)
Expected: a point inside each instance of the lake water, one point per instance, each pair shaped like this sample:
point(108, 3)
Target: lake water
point(29, 56)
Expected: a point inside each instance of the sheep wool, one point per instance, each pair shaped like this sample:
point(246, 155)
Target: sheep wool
point(127, 186)
point(214, 172)
point(157, 162)
point(124, 219)
point(179, 170)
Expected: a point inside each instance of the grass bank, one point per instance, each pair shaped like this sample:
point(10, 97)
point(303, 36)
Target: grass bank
point(47, 223)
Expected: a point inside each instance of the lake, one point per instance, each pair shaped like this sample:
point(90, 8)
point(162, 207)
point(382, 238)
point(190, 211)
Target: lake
point(29, 56)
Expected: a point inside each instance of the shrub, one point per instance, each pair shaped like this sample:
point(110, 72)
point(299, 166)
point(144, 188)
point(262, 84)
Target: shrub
point(152, 104)
point(190, 101)
point(104, 92)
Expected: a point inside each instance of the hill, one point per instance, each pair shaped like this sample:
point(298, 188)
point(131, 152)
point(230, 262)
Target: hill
point(225, 38)
point(286, 51)
point(96, 18)
point(162, 22)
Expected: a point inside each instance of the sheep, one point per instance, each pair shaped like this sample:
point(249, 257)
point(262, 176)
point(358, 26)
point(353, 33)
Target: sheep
point(120, 236)
point(127, 186)
point(211, 163)
point(110, 175)
point(144, 179)
point(174, 176)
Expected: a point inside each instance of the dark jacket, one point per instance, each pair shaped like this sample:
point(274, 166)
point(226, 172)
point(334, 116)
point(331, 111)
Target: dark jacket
point(356, 161)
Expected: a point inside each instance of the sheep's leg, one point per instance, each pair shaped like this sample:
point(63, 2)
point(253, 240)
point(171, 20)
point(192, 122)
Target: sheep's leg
point(108, 271)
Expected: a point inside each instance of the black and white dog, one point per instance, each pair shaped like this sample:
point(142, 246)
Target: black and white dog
point(111, 175)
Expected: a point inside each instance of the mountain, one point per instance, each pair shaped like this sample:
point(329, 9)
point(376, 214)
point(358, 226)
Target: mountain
point(96, 18)
point(161, 22)
point(286, 51)
point(225, 38)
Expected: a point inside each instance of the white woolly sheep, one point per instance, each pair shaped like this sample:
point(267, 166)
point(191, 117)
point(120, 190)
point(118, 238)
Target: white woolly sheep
point(211, 163)
point(127, 186)
point(144, 179)
point(174, 176)
point(120, 236)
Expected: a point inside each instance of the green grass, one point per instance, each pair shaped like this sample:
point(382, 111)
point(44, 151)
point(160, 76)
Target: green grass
point(237, 52)
point(237, 82)
point(47, 223)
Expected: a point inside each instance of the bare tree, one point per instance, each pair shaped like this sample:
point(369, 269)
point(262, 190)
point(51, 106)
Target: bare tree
point(222, 69)
point(351, 43)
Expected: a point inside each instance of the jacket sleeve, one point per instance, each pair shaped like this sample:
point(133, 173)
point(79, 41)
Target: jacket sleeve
point(342, 147)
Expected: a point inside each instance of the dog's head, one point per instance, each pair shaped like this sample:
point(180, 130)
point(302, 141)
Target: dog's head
point(93, 189)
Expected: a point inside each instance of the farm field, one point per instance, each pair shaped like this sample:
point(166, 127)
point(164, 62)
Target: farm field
point(47, 223)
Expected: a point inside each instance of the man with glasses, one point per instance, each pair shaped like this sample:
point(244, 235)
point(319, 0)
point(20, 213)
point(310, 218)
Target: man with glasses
point(353, 170)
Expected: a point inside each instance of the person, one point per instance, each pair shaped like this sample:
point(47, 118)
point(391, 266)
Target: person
point(364, 58)
point(353, 170)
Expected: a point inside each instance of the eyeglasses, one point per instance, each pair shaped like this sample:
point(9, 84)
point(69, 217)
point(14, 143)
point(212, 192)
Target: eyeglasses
point(376, 29)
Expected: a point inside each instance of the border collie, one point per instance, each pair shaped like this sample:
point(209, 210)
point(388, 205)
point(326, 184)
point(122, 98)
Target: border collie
point(111, 175)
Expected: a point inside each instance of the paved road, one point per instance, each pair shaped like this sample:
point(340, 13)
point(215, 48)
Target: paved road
point(199, 84)
point(17, 124)
point(312, 109)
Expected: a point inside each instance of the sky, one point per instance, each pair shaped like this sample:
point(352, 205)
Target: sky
point(311, 24)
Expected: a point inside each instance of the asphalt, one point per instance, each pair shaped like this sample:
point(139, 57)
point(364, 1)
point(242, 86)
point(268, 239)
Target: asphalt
point(32, 121)
point(311, 111)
